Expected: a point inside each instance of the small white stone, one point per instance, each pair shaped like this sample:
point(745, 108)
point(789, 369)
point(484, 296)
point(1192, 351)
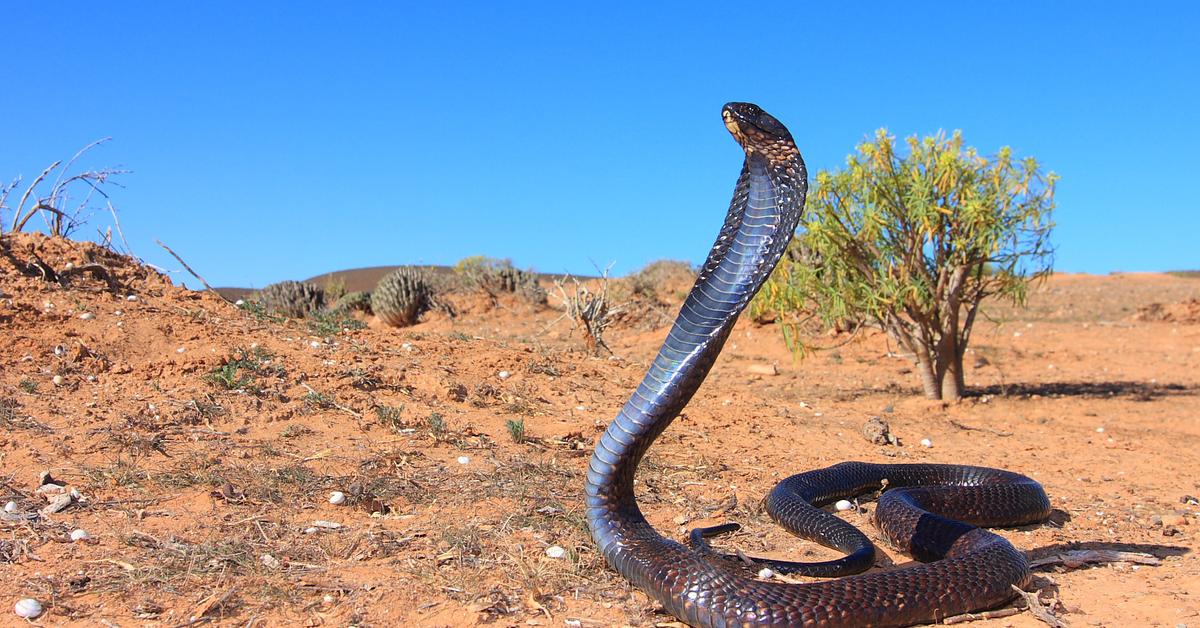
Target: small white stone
point(269, 561)
point(28, 608)
point(132, 297)
point(86, 316)
point(337, 498)
point(843, 504)
point(10, 507)
point(407, 346)
point(581, 408)
point(925, 442)
point(555, 551)
point(181, 350)
point(58, 380)
point(463, 460)
point(1100, 430)
point(327, 599)
point(239, 303)
point(765, 573)
point(504, 374)
point(314, 344)
point(79, 534)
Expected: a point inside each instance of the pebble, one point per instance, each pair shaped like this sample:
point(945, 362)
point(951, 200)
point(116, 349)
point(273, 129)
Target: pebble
point(504, 375)
point(765, 573)
point(132, 297)
point(79, 534)
point(337, 498)
point(10, 507)
point(269, 561)
point(86, 316)
point(555, 551)
point(925, 442)
point(843, 504)
point(463, 460)
point(58, 380)
point(1100, 430)
point(28, 608)
point(314, 344)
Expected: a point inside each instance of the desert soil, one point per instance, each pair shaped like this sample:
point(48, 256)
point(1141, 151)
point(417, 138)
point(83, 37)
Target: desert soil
point(204, 441)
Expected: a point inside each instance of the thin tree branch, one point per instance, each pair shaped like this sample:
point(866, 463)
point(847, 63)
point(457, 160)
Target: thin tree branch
point(194, 274)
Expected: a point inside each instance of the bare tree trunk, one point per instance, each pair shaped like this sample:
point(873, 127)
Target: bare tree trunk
point(930, 378)
point(951, 368)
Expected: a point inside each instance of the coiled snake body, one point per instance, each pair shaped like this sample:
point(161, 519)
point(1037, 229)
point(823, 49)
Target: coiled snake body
point(972, 568)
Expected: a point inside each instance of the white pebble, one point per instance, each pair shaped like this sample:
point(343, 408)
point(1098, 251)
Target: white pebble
point(765, 573)
point(314, 344)
point(181, 350)
point(239, 303)
point(1099, 430)
point(58, 380)
point(463, 460)
point(27, 608)
point(79, 534)
point(10, 507)
point(555, 551)
point(337, 498)
point(327, 599)
point(132, 297)
point(925, 442)
point(504, 374)
point(843, 504)
point(269, 561)
point(407, 346)
point(86, 316)
point(581, 408)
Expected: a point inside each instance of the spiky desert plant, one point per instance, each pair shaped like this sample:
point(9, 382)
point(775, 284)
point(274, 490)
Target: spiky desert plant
point(401, 296)
point(293, 299)
point(359, 301)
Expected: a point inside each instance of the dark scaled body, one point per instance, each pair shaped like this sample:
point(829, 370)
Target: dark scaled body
point(977, 568)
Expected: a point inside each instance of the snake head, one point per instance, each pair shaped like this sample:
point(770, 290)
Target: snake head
point(759, 132)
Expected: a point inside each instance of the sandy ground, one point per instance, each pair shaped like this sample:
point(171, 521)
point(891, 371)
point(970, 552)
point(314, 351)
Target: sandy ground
point(204, 442)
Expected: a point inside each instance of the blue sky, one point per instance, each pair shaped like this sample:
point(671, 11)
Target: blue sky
point(277, 141)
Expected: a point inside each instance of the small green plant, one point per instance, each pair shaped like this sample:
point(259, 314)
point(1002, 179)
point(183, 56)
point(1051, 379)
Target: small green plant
point(28, 385)
point(391, 417)
point(318, 401)
point(227, 376)
point(333, 322)
point(437, 425)
point(294, 430)
point(259, 311)
point(516, 430)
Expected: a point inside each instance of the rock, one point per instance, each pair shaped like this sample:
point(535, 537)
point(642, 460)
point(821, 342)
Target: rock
point(763, 369)
point(878, 432)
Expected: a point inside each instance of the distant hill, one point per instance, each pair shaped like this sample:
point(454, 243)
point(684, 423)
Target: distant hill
point(357, 279)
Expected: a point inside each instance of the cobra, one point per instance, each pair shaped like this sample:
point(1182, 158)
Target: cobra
point(930, 511)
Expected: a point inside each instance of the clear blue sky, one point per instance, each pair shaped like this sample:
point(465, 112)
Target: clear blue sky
point(279, 141)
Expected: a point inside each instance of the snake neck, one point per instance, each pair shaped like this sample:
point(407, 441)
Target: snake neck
point(762, 217)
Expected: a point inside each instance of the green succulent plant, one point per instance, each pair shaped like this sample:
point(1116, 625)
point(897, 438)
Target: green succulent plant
point(401, 296)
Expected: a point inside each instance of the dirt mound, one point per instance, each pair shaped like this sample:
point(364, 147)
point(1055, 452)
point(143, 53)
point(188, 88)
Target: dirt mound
point(203, 443)
point(1186, 312)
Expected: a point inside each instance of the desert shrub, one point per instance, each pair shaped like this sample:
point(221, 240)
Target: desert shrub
point(499, 275)
point(662, 279)
point(914, 243)
point(293, 299)
point(401, 296)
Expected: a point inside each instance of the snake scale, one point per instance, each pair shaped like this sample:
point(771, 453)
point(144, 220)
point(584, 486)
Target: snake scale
point(971, 568)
